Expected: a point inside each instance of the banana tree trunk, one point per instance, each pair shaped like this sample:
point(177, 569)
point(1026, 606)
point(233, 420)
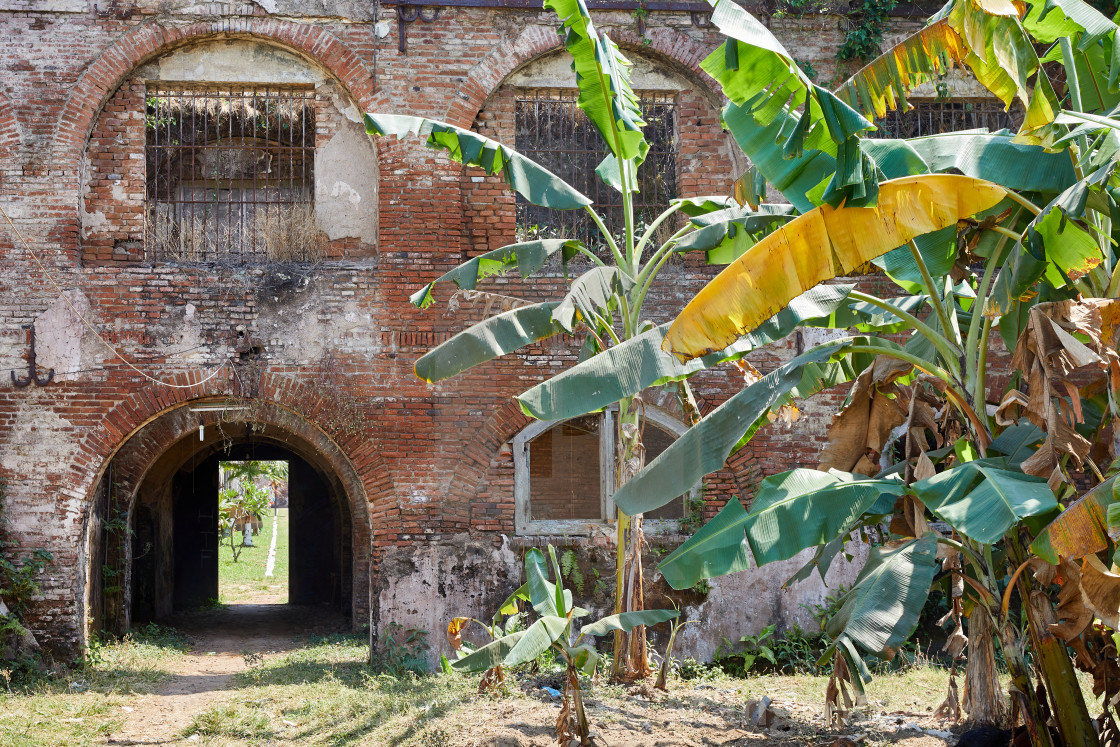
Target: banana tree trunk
point(1053, 660)
point(983, 696)
point(631, 659)
point(1021, 688)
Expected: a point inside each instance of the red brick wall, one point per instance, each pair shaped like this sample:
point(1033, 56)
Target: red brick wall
point(339, 338)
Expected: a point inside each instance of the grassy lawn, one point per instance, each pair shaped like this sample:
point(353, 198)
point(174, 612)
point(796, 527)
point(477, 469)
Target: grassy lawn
point(244, 581)
point(325, 693)
point(79, 707)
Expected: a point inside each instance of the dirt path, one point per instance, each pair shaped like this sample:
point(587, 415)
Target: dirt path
point(220, 639)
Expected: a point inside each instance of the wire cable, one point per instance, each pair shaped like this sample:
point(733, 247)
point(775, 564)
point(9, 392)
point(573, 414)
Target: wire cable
point(90, 327)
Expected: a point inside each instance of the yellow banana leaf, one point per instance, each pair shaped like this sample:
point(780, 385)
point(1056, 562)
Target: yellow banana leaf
point(824, 243)
point(984, 35)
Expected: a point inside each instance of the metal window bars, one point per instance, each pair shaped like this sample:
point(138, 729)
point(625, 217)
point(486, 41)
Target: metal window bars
point(938, 117)
point(554, 132)
point(230, 173)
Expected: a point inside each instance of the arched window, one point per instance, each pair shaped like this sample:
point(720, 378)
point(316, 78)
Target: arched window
point(564, 473)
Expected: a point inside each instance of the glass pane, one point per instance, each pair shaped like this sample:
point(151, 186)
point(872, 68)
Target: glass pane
point(564, 472)
point(656, 441)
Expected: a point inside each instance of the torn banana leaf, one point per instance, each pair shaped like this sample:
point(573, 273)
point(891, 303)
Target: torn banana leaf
point(704, 448)
point(532, 181)
point(820, 245)
point(882, 609)
point(488, 339)
point(639, 363)
point(526, 257)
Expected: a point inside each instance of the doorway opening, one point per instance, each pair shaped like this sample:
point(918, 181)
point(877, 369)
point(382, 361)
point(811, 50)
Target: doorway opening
point(186, 503)
point(253, 532)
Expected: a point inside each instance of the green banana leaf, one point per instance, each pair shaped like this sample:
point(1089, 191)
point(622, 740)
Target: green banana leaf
point(490, 655)
point(595, 291)
point(1057, 248)
point(820, 562)
point(487, 340)
point(867, 318)
point(625, 621)
point(1081, 529)
point(799, 177)
point(805, 508)
point(717, 549)
point(639, 363)
point(792, 511)
point(536, 640)
point(702, 205)
point(547, 598)
point(584, 657)
point(1018, 441)
point(994, 157)
point(726, 234)
point(983, 502)
point(1048, 20)
point(603, 78)
point(705, 447)
point(532, 181)
point(881, 610)
point(757, 72)
point(526, 257)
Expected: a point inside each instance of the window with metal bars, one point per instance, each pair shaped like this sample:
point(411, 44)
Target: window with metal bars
point(230, 173)
point(555, 133)
point(938, 117)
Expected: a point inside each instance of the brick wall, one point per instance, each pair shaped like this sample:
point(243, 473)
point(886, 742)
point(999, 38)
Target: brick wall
point(329, 347)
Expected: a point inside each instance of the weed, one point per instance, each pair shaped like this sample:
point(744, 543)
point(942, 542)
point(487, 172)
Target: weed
point(401, 650)
point(569, 566)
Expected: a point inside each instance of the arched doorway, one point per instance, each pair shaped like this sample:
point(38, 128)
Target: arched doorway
point(153, 531)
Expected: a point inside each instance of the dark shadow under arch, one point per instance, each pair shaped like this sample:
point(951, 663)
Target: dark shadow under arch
point(162, 484)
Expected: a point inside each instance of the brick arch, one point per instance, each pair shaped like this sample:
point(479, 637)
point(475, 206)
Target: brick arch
point(142, 43)
point(487, 76)
point(290, 405)
point(472, 467)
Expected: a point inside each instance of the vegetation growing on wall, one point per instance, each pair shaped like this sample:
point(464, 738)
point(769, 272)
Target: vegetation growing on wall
point(19, 582)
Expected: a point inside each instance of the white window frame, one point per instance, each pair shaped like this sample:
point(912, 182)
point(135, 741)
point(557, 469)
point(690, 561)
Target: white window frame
point(522, 488)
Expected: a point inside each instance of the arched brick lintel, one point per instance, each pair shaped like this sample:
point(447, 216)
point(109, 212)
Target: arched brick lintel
point(288, 404)
point(472, 467)
point(488, 75)
point(142, 43)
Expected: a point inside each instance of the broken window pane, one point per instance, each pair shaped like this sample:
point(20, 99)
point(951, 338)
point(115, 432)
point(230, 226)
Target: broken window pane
point(564, 472)
point(554, 132)
point(230, 174)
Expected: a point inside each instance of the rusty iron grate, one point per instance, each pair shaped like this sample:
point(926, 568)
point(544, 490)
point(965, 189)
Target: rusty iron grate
point(938, 117)
point(230, 172)
point(554, 132)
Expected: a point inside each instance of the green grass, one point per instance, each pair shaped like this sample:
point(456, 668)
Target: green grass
point(241, 581)
point(327, 694)
point(79, 707)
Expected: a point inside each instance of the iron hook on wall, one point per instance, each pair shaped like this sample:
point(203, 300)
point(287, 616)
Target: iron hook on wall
point(408, 14)
point(32, 371)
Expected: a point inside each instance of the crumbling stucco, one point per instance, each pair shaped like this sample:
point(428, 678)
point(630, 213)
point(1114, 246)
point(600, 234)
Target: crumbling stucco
point(63, 342)
point(424, 586)
point(745, 603)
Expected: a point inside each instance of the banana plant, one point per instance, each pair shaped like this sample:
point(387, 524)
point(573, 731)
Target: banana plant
point(606, 298)
point(917, 437)
point(557, 628)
